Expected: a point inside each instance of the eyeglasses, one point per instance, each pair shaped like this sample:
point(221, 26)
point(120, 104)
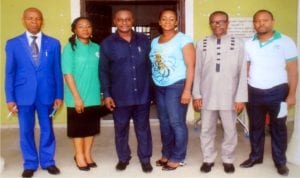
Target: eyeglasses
point(220, 22)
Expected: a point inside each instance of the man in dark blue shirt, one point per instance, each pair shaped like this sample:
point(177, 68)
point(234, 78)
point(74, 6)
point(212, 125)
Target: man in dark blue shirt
point(125, 82)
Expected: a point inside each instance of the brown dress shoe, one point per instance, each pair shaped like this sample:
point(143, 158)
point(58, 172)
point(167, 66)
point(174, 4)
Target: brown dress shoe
point(27, 173)
point(228, 167)
point(206, 167)
point(53, 170)
point(250, 162)
point(282, 170)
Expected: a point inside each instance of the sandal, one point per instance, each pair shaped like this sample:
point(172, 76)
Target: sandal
point(168, 168)
point(161, 163)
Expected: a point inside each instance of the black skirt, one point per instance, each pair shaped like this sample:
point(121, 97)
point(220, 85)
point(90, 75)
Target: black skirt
point(84, 124)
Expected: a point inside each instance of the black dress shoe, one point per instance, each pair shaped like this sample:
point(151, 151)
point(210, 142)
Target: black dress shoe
point(121, 165)
point(282, 170)
point(146, 167)
point(160, 163)
point(228, 167)
point(53, 170)
point(92, 165)
point(82, 168)
point(250, 162)
point(206, 167)
point(27, 173)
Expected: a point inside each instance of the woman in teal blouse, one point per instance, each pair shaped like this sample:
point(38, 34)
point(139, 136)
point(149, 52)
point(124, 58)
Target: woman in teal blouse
point(80, 61)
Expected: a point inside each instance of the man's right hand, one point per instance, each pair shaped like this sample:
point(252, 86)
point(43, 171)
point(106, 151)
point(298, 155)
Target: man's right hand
point(12, 107)
point(109, 103)
point(197, 103)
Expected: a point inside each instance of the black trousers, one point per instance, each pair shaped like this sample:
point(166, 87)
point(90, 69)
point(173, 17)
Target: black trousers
point(260, 103)
point(140, 116)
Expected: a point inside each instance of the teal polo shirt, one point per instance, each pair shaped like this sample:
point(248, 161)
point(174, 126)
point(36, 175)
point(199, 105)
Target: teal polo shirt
point(82, 64)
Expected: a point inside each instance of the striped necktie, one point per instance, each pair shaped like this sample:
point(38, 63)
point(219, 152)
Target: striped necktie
point(35, 50)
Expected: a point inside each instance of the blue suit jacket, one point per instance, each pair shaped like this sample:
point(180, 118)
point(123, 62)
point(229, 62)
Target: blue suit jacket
point(24, 80)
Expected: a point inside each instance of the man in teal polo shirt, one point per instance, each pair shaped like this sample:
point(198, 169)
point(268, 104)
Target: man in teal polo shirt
point(273, 76)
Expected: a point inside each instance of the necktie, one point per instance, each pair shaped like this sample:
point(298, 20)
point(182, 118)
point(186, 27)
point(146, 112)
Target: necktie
point(35, 50)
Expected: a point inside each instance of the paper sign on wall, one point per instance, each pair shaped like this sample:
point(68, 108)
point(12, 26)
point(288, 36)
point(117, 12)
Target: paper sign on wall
point(241, 27)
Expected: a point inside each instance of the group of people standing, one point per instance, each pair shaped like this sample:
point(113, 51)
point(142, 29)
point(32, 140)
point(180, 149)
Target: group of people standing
point(126, 66)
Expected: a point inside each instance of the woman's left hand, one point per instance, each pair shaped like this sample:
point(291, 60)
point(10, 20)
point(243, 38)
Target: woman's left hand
point(186, 97)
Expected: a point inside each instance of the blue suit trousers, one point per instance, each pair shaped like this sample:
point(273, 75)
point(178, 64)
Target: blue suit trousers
point(33, 156)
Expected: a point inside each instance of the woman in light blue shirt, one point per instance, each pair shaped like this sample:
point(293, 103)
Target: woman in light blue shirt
point(173, 57)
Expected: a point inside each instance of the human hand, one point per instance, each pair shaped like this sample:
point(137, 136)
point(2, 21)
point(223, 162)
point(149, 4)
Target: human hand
point(239, 106)
point(185, 97)
point(290, 101)
point(12, 108)
point(109, 103)
point(79, 105)
point(58, 103)
point(197, 103)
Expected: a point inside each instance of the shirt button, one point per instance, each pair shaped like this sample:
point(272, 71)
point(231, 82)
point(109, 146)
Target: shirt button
point(135, 89)
point(134, 78)
point(132, 56)
point(133, 67)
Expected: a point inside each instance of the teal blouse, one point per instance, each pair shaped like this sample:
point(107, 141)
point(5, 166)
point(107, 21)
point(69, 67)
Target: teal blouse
point(82, 64)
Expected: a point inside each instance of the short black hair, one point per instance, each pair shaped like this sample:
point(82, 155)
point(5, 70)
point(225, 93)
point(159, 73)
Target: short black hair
point(123, 9)
point(218, 12)
point(263, 11)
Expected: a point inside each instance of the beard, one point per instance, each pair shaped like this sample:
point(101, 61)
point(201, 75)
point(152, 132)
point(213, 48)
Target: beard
point(262, 33)
point(264, 30)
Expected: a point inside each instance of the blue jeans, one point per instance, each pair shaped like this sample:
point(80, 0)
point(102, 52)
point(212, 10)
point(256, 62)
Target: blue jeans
point(260, 103)
point(172, 118)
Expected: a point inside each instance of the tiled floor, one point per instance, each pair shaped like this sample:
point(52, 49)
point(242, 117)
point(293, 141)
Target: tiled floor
point(105, 156)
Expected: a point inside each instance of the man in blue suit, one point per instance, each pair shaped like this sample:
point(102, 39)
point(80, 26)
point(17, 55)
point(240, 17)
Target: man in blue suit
point(34, 83)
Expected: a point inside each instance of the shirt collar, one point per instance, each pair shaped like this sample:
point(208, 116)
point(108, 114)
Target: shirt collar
point(132, 37)
point(82, 44)
point(222, 37)
point(28, 34)
point(276, 35)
